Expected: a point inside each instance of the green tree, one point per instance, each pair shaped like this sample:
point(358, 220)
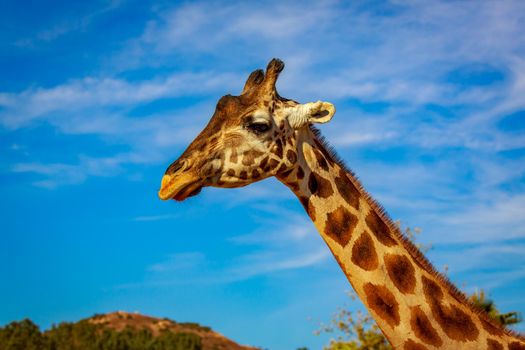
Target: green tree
point(23, 335)
point(354, 331)
point(84, 335)
point(480, 299)
point(177, 341)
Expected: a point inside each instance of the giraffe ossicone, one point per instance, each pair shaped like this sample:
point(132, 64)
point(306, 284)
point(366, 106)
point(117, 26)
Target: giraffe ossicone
point(260, 134)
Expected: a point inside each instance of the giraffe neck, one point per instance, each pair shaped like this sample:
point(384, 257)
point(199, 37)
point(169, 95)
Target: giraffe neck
point(415, 307)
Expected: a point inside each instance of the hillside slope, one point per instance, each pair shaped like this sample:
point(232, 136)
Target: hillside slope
point(211, 340)
point(115, 331)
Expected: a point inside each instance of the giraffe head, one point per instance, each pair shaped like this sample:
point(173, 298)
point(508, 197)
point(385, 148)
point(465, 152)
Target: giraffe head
point(249, 137)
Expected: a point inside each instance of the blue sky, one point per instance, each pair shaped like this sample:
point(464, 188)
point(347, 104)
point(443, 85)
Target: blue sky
point(97, 98)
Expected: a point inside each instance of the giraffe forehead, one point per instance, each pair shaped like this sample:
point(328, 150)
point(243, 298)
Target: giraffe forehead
point(230, 111)
point(233, 111)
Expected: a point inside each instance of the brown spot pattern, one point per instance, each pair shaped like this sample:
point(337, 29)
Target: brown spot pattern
point(401, 272)
point(493, 345)
point(312, 183)
point(255, 174)
point(347, 189)
point(379, 229)
point(423, 328)
point(243, 175)
point(230, 172)
point(264, 162)
point(454, 321)
point(322, 149)
point(305, 201)
point(282, 168)
point(383, 303)
point(319, 186)
point(208, 170)
point(294, 186)
point(292, 157)
point(300, 173)
point(321, 161)
point(272, 164)
point(363, 252)
point(279, 149)
point(339, 262)
point(339, 225)
point(285, 173)
point(517, 346)
point(490, 328)
point(412, 345)
point(248, 158)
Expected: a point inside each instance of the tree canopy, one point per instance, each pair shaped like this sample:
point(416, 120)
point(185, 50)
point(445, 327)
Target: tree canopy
point(83, 335)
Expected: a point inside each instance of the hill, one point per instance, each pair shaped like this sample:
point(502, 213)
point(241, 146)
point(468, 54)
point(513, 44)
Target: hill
point(115, 331)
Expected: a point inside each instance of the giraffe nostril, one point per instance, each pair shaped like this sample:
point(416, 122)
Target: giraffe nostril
point(174, 167)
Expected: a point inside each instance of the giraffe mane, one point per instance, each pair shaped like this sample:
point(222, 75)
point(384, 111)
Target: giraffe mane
point(414, 252)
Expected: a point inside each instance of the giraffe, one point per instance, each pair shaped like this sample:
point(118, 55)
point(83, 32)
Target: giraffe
point(260, 134)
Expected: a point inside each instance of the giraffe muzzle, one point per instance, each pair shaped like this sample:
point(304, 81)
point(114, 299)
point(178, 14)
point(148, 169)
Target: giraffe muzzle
point(179, 186)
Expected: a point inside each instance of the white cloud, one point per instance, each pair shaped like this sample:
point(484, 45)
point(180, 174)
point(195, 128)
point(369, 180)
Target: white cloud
point(295, 228)
point(58, 174)
point(492, 266)
point(194, 268)
point(95, 94)
point(260, 263)
point(67, 26)
point(283, 241)
point(188, 27)
point(500, 218)
point(496, 256)
point(400, 54)
point(402, 58)
point(178, 262)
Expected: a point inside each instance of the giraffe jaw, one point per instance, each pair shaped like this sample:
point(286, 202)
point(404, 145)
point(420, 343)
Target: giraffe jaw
point(179, 187)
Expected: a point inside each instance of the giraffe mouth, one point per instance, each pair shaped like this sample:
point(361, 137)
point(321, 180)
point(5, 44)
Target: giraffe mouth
point(187, 192)
point(179, 187)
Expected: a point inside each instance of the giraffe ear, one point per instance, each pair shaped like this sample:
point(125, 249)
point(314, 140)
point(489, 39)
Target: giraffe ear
point(312, 112)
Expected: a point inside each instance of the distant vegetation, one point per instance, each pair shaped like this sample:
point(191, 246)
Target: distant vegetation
point(83, 335)
point(118, 330)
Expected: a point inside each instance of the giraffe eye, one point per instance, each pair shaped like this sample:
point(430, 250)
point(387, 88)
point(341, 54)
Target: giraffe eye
point(258, 128)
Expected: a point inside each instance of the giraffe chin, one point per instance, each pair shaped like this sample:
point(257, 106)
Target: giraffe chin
point(187, 192)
